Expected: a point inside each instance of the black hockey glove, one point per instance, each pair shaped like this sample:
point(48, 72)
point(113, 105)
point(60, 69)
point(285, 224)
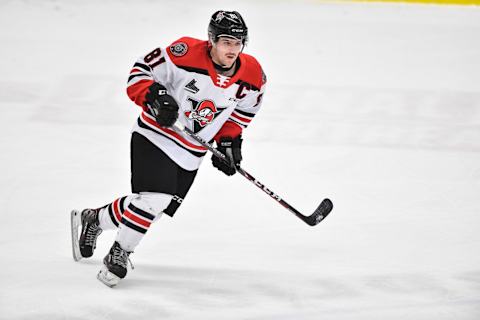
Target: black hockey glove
point(232, 148)
point(161, 105)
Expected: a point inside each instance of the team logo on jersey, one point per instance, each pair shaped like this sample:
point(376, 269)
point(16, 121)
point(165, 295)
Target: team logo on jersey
point(179, 49)
point(202, 113)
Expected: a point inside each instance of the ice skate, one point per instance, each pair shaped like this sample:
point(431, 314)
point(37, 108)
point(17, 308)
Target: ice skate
point(114, 266)
point(83, 246)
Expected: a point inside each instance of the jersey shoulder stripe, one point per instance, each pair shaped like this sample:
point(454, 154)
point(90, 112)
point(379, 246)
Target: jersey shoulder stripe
point(195, 70)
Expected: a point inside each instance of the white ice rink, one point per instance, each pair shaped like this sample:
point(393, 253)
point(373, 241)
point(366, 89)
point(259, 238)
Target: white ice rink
point(376, 106)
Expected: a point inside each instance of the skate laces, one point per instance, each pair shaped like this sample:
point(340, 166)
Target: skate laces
point(91, 235)
point(121, 257)
point(92, 231)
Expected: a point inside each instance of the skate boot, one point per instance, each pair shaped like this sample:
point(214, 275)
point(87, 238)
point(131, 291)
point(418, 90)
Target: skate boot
point(114, 266)
point(90, 231)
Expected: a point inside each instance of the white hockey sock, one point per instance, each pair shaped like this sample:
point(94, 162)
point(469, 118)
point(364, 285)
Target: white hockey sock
point(111, 215)
point(143, 210)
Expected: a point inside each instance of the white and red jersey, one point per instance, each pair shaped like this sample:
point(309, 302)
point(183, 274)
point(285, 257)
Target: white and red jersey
point(210, 104)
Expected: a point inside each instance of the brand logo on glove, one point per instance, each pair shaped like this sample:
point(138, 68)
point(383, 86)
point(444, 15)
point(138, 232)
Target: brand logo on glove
point(202, 113)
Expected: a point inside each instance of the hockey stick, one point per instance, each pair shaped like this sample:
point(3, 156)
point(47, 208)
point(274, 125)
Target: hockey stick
point(315, 218)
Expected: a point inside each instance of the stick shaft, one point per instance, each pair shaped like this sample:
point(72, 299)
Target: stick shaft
point(244, 173)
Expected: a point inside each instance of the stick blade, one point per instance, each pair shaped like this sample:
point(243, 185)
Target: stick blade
point(320, 213)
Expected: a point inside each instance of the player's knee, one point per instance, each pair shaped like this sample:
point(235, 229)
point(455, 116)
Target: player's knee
point(152, 202)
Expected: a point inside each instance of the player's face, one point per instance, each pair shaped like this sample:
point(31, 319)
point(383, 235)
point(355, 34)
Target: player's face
point(226, 50)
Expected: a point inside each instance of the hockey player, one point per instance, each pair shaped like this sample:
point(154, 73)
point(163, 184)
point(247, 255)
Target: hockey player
point(211, 87)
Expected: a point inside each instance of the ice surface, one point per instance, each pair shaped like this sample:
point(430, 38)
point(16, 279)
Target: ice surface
point(374, 106)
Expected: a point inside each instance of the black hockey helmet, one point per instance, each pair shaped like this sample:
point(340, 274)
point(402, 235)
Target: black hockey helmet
point(227, 24)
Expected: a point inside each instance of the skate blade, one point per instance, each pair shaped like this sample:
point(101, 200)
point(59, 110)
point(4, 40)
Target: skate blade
point(107, 278)
point(75, 223)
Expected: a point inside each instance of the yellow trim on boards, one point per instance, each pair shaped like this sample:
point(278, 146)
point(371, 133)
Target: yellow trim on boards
point(447, 2)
